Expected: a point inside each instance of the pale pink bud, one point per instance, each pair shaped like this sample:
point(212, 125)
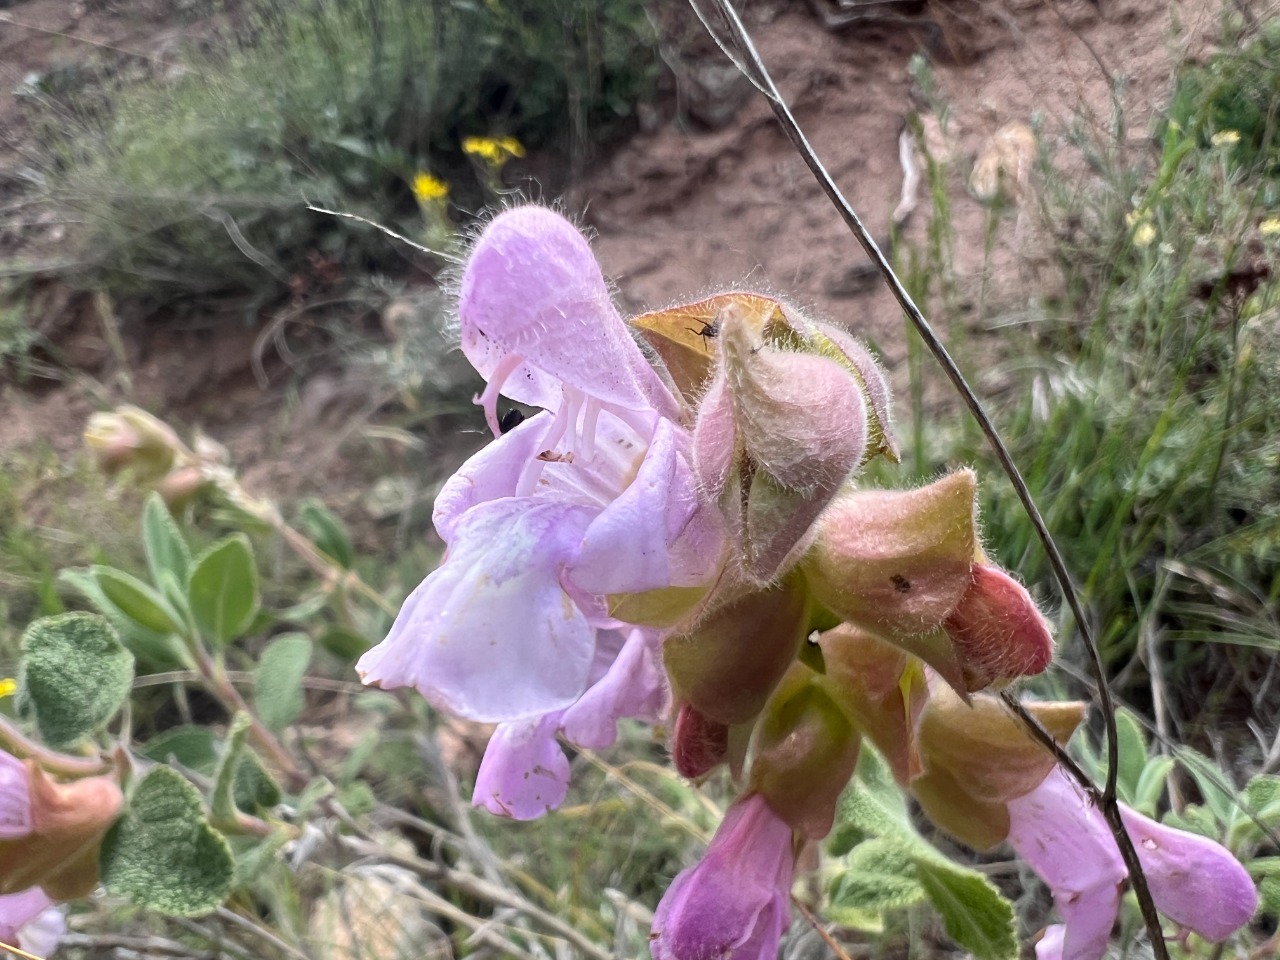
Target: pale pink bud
point(130, 437)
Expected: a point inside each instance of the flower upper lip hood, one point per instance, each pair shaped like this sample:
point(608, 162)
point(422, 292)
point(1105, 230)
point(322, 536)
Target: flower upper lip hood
point(538, 324)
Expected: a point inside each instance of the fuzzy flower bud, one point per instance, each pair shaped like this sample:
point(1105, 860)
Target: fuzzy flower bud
point(804, 755)
point(784, 423)
point(699, 744)
point(129, 437)
point(903, 565)
point(730, 663)
point(50, 832)
point(735, 903)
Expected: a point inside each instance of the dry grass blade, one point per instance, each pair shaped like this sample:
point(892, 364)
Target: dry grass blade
point(724, 25)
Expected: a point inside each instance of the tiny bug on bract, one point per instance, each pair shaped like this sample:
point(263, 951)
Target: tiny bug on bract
point(510, 420)
point(709, 331)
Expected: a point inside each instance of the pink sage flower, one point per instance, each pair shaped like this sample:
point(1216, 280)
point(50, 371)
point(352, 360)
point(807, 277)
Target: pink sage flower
point(591, 500)
point(736, 902)
point(1195, 882)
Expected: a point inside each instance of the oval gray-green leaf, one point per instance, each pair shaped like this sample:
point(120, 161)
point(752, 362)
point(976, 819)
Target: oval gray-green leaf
point(164, 544)
point(138, 601)
point(277, 681)
point(75, 674)
point(223, 590)
point(163, 854)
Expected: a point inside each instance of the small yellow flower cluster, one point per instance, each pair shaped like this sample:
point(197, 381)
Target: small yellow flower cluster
point(1225, 138)
point(1270, 227)
point(1144, 231)
point(427, 188)
point(494, 151)
point(8, 687)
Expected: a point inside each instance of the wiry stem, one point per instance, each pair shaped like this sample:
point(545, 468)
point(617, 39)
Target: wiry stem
point(725, 27)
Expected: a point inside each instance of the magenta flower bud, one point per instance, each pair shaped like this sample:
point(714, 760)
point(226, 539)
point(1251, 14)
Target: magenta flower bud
point(804, 754)
point(735, 903)
point(699, 744)
point(998, 631)
point(1195, 882)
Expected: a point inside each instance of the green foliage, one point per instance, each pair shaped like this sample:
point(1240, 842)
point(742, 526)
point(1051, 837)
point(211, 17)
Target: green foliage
point(223, 589)
point(277, 680)
point(1147, 416)
point(888, 866)
point(195, 184)
point(166, 548)
point(75, 675)
point(1236, 92)
point(163, 854)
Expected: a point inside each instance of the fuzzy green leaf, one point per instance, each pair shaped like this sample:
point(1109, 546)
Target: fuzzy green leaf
point(878, 875)
point(277, 682)
point(163, 854)
point(138, 601)
point(1132, 751)
point(165, 546)
point(192, 747)
point(223, 591)
point(75, 675)
point(151, 648)
point(974, 913)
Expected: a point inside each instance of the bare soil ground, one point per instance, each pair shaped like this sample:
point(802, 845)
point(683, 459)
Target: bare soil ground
point(708, 196)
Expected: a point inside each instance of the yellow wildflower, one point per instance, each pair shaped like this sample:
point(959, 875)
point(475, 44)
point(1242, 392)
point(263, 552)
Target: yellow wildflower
point(8, 687)
point(1225, 138)
point(494, 151)
point(427, 188)
point(1143, 235)
point(1270, 227)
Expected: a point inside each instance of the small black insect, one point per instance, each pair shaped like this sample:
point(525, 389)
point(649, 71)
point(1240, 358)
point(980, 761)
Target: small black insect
point(510, 420)
point(901, 583)
point(709, 331)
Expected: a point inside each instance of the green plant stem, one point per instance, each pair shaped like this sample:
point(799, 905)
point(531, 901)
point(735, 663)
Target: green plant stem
point(19, 744)
point(216, 681)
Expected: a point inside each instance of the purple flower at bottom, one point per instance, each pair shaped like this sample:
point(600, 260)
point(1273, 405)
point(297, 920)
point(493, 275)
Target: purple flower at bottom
point(30, 922)
point(735, 903)
point(1195, 882)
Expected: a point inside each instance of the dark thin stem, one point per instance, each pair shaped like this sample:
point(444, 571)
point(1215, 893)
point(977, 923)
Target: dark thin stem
point(724, 25)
